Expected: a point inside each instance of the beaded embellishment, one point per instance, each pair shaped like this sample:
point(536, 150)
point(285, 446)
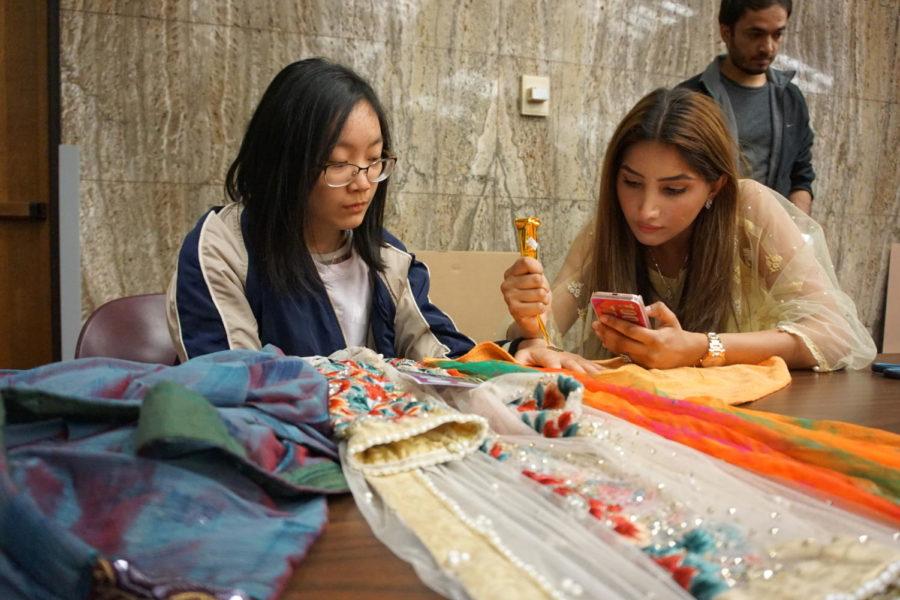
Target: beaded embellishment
point(575, 288)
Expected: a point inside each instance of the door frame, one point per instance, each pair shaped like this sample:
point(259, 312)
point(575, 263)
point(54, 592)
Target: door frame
point(54, 138)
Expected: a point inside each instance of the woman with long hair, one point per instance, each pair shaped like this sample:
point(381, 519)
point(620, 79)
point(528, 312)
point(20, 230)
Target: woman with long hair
point(299, 258)
point(734, 272)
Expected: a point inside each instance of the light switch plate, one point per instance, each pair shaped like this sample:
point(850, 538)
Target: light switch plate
point(533, 109)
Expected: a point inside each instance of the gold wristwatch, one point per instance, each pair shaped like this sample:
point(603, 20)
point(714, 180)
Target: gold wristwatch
point(715, 351)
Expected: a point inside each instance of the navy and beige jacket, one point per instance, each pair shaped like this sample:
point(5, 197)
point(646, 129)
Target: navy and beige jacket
point(218, 300)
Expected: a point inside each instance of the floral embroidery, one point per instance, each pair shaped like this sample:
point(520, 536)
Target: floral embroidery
point(408, 365)
point(681, 574)
point(774, 262)
point(685, 560)
point(575, 288)
point(356, 389)
point(704, 557)
point(389, 430)
point(611, 513)
point(545, 409)
point(494, 449)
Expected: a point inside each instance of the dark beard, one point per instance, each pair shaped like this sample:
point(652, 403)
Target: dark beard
point(749, 70)
point(742, 65)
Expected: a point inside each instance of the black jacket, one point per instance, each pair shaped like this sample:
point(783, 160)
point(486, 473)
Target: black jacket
point(790, 163)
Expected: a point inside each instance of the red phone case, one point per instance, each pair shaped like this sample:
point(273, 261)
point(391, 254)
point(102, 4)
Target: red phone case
point(626, 308)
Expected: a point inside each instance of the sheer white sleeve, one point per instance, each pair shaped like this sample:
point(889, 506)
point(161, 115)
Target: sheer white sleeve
point(785, 280)
point(571, 316)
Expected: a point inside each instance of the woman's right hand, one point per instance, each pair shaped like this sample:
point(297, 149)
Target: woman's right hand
point(527, 295)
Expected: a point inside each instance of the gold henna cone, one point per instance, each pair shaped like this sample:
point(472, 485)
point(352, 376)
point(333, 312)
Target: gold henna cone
point(526, 233)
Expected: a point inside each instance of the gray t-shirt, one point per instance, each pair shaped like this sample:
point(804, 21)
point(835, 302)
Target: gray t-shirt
point(753, 113)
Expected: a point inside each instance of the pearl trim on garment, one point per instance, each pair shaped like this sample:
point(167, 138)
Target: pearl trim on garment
point(483, 526)
point(873, 587)
point(453, 451)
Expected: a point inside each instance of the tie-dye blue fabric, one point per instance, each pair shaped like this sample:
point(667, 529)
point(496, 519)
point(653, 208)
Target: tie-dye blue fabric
point(211, 472)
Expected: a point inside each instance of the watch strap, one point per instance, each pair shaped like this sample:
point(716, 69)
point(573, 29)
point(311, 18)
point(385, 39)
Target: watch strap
point(715, 351)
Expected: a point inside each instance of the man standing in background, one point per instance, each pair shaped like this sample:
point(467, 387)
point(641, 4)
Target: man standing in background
point(764, 110)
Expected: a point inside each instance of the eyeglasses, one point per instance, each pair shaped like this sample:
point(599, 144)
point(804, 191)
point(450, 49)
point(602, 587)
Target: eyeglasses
point(341, 174)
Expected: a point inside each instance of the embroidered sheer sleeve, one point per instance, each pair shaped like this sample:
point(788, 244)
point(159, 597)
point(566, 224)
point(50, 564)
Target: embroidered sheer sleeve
point(570, 297)
point(785, 280)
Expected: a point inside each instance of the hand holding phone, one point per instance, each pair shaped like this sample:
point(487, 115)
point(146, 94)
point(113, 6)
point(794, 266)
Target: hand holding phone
point(628, 307)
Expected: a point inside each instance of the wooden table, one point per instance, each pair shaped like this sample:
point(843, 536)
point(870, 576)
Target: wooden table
point(859, 397)
point(348, 562)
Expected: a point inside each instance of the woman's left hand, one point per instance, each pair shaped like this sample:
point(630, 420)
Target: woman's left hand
point(665, 347)
point(536, 353)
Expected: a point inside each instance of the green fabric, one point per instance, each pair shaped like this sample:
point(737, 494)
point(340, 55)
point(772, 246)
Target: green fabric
point(326, 475)
point(28, 405)
point(172, 413)
point(177, 423)
point(484, 369)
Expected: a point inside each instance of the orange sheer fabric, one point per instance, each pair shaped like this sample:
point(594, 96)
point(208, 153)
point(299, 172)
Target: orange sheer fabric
point(855, 466)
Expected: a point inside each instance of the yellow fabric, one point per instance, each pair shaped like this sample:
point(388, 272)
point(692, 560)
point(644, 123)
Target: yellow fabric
point(459, 548)
point(732, 384)
point(482, 351)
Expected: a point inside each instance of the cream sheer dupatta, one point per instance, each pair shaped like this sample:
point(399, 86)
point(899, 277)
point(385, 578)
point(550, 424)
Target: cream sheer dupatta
point(783, 279)
point(469, 526)
point(731, 533)
point(611, 511)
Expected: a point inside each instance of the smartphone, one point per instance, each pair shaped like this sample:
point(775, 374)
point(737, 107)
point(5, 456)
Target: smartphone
point(880, 367)
point(629, 307)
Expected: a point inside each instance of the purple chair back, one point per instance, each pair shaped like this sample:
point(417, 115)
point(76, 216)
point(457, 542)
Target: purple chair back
point(131, 328)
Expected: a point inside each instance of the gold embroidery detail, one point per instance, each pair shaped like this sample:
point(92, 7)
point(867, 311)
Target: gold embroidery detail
point(795, 286)
point(774, 262)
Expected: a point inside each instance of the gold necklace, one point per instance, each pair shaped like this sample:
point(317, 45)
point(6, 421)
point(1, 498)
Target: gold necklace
point(670, 293)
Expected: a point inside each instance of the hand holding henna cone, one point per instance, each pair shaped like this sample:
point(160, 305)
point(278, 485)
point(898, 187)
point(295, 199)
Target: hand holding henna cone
point(526, 233)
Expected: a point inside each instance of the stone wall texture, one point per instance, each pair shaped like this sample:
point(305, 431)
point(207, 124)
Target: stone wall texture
point(157, 94)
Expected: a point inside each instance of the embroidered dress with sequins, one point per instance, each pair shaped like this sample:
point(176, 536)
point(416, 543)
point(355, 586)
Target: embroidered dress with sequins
point(649, 514)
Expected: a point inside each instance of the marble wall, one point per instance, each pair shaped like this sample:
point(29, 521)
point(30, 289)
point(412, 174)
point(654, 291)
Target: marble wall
point(157, 94)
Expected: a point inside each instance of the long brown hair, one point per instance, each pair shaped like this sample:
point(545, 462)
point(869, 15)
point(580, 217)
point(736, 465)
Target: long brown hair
point(692, 124)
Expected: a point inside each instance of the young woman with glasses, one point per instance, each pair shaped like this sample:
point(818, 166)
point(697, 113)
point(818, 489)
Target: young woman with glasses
point(735, 272)
point(299, 258)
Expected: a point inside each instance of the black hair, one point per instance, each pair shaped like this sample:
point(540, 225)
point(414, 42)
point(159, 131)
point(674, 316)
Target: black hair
point(730, 11)
point(289, 138)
